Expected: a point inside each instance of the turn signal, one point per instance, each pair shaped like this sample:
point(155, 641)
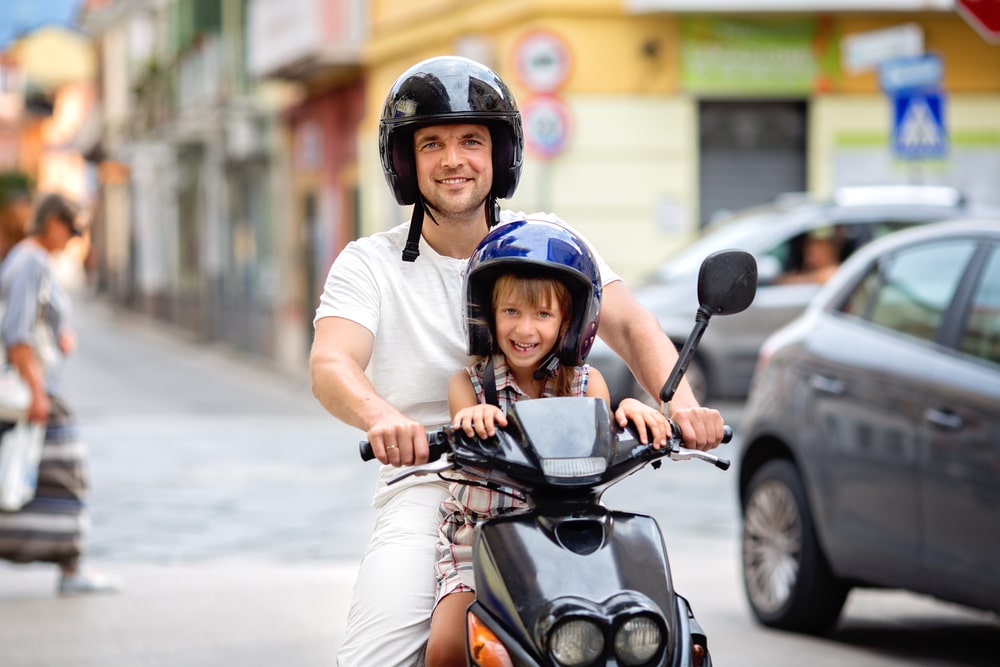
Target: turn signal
point(485, 648)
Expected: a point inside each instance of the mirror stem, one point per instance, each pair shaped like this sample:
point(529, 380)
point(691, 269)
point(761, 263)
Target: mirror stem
point(684, 357)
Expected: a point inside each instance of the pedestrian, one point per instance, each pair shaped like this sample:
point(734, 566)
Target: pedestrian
point(533, 294)
point(389, 330)
point(37, 338)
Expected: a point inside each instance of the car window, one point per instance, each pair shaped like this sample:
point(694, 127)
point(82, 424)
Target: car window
point(813, 256)
point(739, 232)
point(791, 255)
point(885, 227)
point(981, 337)
point(910, 291)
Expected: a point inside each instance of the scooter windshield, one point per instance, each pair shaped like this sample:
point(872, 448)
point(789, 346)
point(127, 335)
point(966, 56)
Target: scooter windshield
point(570, 437)
point(561, 427)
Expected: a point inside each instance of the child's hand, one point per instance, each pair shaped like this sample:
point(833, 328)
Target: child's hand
point(479, 420)
point(645, 418)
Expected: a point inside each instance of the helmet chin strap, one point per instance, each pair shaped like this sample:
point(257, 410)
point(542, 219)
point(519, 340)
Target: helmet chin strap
point(492, 212)
point(547, 368)
point(412, 249)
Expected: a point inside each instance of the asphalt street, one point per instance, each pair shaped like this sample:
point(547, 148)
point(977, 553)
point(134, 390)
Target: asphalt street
point(236, 510)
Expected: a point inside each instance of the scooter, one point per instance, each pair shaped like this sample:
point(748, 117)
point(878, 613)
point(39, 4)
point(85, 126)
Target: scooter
point(569, 582)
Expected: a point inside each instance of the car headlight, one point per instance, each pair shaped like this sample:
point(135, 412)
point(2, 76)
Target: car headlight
point(638, 640)
point(576, 642)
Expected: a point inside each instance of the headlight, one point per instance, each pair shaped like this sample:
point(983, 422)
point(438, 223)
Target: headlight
point(576, 642)
point(638, 640)
point(580, 467)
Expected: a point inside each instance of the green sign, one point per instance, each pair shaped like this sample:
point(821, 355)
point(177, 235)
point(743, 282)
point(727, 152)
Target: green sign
point(758, 56)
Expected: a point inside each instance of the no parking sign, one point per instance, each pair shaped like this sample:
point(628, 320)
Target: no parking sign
point(547, 125)
point(542, 60)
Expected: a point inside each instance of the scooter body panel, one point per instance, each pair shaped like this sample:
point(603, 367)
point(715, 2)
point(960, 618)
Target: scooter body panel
point(532, 567)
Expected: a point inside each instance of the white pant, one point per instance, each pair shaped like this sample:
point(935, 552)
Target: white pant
point(390, 613)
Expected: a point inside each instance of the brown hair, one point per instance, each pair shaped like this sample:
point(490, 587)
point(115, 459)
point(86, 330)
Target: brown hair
point(55, 205)
point(538, 291)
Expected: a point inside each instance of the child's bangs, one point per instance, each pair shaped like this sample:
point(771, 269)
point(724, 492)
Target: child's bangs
point(537, 292)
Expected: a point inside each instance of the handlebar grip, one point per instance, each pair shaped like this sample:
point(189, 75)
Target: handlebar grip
point(437, 444)
point(365, 448)
point(727, 432)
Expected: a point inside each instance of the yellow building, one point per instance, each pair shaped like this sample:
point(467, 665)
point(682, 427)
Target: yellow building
point(644, 120)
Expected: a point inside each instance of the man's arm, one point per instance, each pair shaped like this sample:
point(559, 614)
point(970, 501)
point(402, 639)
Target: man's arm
point(340, 353)
point(634, 334)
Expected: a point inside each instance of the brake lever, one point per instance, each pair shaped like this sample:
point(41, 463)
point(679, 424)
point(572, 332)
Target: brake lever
point(683, 454)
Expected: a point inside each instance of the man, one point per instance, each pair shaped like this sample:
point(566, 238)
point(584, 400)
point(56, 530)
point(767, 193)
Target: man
point(389, 331)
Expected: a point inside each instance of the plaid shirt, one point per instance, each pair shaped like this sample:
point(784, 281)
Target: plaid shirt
point(469, 504)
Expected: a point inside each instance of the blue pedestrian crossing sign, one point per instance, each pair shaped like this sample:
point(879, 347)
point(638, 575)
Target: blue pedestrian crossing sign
point(918, 130)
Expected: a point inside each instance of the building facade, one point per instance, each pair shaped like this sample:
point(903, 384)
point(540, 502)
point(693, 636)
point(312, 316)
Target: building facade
point(647, 119)
point(238, 149)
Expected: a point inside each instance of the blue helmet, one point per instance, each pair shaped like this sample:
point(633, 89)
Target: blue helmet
point(540, 249)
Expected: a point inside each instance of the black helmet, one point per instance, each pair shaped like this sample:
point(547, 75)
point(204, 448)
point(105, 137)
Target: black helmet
point(535, 248)
point(449, 89)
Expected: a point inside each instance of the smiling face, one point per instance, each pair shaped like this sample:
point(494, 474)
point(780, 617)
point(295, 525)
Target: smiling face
point(454, 165)
point(530, 317)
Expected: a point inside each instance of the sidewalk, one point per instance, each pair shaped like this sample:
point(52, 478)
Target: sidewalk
point(234, 508)
point(177, 616)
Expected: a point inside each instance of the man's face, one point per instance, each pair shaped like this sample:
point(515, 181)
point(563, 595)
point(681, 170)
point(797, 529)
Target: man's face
point(454, 167)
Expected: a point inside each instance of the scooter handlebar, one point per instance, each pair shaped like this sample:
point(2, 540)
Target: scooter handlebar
point(437, 441)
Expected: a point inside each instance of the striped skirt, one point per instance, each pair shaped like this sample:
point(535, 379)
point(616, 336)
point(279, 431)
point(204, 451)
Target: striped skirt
point(50, 527)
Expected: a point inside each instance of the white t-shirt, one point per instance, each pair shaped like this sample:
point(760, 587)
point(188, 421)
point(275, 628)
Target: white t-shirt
point(415, 310)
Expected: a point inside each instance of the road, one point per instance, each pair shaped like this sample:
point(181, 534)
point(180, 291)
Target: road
point(237, 511)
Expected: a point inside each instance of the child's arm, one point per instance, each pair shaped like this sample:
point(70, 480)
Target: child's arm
point(643, 416)
point(466, 413)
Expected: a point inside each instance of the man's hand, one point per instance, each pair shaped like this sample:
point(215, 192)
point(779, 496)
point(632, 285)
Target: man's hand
point(701, 428)
point(398, 440)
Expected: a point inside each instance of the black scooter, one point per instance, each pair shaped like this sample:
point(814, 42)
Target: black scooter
point(569, 582)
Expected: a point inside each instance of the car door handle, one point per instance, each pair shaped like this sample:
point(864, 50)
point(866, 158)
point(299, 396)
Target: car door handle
point(944, 419)
point(826, 385)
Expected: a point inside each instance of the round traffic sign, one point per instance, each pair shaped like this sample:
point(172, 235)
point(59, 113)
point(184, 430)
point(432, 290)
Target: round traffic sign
point(542, 61)
point(547, 125)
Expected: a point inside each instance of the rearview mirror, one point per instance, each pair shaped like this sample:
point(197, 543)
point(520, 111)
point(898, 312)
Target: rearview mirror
point(727, 282)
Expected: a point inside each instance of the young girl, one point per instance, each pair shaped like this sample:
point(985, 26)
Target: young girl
point(533, 296)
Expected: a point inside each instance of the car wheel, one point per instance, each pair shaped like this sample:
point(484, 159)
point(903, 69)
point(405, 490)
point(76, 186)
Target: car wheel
point(787, 579)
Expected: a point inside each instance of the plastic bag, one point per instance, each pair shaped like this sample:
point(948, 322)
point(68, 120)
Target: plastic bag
point(20, 453)
point(15, 395)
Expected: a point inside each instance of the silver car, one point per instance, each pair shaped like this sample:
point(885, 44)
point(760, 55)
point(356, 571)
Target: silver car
point(777, 236)
point(871, 451)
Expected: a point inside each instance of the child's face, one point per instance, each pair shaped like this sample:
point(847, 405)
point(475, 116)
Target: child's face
point(526, 334)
